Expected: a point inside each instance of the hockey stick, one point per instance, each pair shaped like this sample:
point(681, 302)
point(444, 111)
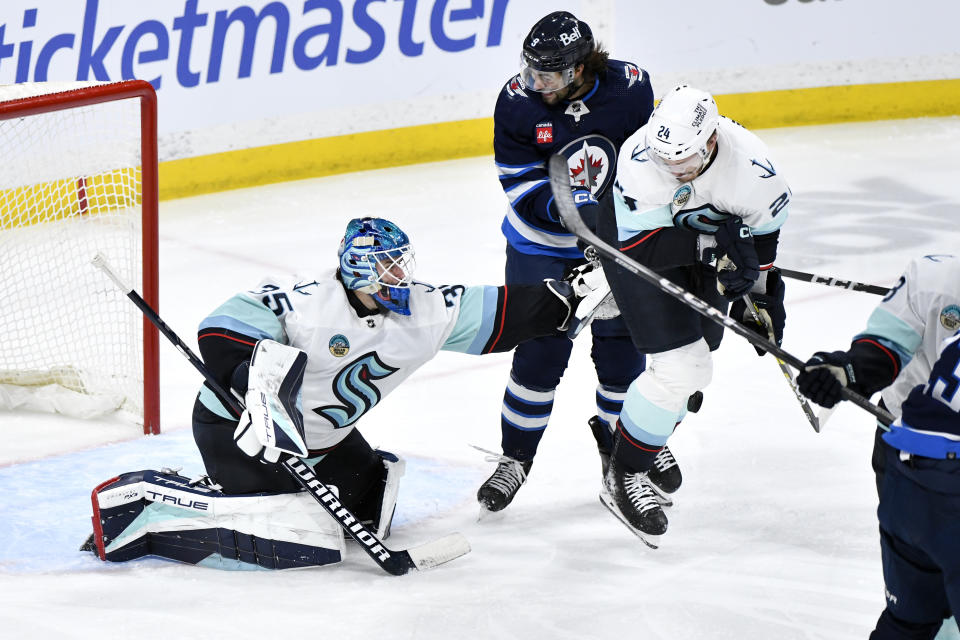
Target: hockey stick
point(807, 409)
point(560, 184)
point(394, 562)
point(834, 282)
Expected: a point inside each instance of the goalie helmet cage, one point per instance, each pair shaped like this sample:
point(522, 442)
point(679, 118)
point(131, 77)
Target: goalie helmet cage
point(79, 175)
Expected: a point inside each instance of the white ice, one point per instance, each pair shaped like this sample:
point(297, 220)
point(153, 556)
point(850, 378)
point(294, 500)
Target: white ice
point(774, 534)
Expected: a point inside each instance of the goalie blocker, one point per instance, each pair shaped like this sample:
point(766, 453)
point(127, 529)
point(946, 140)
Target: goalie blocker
point(163, 514)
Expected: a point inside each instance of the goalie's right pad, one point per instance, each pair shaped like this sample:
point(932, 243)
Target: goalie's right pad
point(161, 513)
point(272, 422)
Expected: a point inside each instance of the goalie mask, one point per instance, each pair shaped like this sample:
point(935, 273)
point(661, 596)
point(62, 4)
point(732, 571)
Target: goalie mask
point(376, 258)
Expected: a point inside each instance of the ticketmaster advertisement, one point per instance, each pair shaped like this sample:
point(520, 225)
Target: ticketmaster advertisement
point(240, 74)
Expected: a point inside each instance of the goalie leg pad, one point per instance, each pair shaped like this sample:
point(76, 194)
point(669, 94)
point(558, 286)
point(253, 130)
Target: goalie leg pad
point(163, 514)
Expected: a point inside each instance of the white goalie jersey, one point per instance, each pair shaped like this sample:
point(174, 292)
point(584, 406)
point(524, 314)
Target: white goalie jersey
point(353, 360)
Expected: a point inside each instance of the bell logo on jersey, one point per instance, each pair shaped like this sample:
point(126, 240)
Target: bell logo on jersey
point(545, 133)
point(591, 160)
point(339, 345)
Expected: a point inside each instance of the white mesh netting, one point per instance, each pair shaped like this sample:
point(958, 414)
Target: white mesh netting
point(70, 186)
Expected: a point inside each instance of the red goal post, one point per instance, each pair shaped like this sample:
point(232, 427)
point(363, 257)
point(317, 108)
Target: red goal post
point(79, 176)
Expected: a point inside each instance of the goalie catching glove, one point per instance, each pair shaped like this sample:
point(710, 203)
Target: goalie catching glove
point(272, 422)
point(586, 294)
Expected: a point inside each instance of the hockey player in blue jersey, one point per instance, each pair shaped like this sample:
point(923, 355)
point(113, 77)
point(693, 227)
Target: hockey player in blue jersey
point(324, 350)
point(568, 98)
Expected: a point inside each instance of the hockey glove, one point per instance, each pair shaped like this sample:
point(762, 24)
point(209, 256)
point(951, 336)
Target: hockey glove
point(272, 424)
point(769, 307)
point(738, 266)
point(825, 375)
point(588, 297)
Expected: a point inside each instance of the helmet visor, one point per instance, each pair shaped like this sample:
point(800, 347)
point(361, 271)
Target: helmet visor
point(544, 81)
point(682, 169)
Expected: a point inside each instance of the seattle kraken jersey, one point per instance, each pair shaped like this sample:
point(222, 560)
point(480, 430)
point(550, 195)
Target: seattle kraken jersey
point(352, 361)
point(742, 180)
point(588, 131)
point(930, 423)
point(919, 313)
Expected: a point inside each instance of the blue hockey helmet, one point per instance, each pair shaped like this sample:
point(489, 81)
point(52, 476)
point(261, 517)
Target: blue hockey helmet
point(376, 258)
point(556, 44)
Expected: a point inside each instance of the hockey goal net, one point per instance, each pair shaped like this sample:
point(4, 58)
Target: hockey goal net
point(79, 175)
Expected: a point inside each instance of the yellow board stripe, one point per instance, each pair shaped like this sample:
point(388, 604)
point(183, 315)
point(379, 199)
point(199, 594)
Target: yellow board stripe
point(466, 138)
point(65, 198)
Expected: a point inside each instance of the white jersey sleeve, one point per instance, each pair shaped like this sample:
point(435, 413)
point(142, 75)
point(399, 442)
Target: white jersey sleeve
point(920, 312)
point(742, 180)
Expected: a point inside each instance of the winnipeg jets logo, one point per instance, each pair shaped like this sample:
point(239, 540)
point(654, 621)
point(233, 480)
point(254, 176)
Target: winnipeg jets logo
point(632, 73)
point(353, 386)
point(591, 161)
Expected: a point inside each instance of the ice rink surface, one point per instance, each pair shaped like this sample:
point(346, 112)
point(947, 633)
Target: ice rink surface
point(774, 534)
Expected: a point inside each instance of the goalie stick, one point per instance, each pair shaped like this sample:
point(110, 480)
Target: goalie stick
point(834, 282)
point(560, 184)
point(395, 562)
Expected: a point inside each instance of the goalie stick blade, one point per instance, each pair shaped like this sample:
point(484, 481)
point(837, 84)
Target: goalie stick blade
point(432, 554)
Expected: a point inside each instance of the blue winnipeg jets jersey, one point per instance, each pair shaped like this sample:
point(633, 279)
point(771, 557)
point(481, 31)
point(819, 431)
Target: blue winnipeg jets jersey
point(588, 131)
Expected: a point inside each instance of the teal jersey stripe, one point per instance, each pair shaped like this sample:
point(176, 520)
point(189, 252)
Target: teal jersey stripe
point(883, 324)
point(478, 309)
point(247, 317)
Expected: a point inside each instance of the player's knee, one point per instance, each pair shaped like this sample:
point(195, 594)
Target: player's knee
point(683, 370)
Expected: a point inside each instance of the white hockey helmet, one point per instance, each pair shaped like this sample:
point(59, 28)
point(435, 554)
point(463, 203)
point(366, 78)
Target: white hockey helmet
point(679, 130)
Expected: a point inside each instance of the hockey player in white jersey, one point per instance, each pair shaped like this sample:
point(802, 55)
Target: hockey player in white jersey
point(698, 199)
point(322, 350)
point(895, 353)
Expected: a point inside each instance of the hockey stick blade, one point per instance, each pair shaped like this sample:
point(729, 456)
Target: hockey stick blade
point(834, 282)
point(560, 184)
point(398, 563)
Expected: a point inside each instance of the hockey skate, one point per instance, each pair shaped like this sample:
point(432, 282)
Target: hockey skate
point(500, 488)
point(664, 477)
point(631, 499)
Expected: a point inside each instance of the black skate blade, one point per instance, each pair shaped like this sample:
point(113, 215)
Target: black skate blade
point(644, 538)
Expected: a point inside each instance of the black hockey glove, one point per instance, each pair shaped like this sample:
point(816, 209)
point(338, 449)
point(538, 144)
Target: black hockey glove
point(824, 376)
point(769, 306)
point(738, 266)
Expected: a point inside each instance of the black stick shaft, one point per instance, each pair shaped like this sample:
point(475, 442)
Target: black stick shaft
point(560, 184)
point(834, 282)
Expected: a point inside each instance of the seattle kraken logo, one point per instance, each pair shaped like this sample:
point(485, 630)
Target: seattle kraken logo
point(354, 387)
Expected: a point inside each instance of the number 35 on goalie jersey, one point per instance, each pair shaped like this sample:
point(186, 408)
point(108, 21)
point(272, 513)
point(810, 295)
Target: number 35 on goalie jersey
point(353, 361)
